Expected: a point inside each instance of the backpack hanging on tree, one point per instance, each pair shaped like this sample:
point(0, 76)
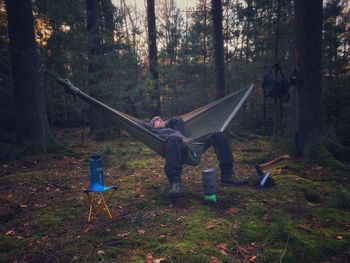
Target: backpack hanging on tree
point(275, 88)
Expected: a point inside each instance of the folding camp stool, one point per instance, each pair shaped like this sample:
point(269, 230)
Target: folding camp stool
point(98, 202)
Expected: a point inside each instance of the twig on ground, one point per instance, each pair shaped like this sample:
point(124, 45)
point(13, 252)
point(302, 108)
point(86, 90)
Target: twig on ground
point(90, 253)
point(64, 186)
point(285, 250)
point(45, 254)
point(238, 137)
point(251, 170)
point(170, 259)
point(241, 251)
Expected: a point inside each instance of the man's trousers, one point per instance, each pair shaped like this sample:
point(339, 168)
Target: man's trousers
point(175, 154)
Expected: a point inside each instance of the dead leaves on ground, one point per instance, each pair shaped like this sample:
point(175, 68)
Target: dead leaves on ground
point(223, 248)
point(151, 259)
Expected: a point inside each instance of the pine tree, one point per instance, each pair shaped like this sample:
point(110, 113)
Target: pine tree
point(32, 128)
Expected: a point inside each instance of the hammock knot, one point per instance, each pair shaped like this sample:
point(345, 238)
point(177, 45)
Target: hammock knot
point(71, 89)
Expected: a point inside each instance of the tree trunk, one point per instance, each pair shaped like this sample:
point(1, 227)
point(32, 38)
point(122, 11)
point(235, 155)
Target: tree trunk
point(205, 54)
point(276, 120)
point(152, 53)
point(126, 13)
point(218, 45)
point(94, 52)
point(108, 10)
point(32, 128)
point(308, 38)
point(94, 37)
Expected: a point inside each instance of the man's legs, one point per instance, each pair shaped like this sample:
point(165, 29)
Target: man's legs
point(225, 157)
point(173, 164)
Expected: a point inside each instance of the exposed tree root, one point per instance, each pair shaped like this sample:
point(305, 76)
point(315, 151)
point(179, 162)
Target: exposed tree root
point(339, 151)
point(324, 157)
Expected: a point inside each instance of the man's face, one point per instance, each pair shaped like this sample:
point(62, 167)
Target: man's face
point(159, 123)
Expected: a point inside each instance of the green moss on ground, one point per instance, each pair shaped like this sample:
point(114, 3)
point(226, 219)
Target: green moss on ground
point(303, 217)
point(341, 198)
point(333, 216)
point(251, 230)
point(182, 252)
point(323, 157)
point(267, 255)
point(10, 247)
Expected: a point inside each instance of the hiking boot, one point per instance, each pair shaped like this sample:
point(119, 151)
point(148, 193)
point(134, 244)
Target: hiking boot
point(175, 190)
point(232, 180)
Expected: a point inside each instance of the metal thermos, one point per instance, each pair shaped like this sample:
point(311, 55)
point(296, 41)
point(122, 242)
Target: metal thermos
point(209, 184)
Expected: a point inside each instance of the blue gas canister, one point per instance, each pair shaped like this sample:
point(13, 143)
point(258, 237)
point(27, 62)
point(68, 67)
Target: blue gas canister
point(96, 172)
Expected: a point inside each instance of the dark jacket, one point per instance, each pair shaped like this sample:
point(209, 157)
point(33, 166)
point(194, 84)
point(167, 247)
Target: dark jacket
point(174, 127)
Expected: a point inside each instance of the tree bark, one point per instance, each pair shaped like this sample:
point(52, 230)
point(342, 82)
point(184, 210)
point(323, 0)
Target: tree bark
point(308, 39)
point(205, 54)
point(32, 128)
point(126, 12)
point(152, 53)
point(94, 37)
point(94, 55)
point(276, 120)
point(108, 10)
point(218, 44)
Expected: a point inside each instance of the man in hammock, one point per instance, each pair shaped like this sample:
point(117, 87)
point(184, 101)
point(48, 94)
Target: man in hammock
point(172, 131)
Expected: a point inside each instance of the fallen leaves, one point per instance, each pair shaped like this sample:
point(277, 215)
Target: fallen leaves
point(247, 251)
point(311, 204)
point(88, 229)
point(151, 259)
point(40, 205)
point(214, 260)
point(305, 228)
point(209, 225)
point(223, 248)
point(252, 259)
point(124, 234)
point(271, 201)
point(141, 232)
point(233, 210)
point(152, 216)
point(11, 232)
point(158, 260)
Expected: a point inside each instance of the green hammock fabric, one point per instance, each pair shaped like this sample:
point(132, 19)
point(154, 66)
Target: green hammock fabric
point(212, 117)
point(215, 116)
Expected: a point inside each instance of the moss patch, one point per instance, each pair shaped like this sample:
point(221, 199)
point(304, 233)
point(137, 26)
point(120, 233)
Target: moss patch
point(268, 255)
point(303, 217)
point(9, 247)
point(182, 252)
point(341, 198)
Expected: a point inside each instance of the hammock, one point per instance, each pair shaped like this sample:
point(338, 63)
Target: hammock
point(212, 117)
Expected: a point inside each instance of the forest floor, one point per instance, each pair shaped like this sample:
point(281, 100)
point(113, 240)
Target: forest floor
point(303, 217)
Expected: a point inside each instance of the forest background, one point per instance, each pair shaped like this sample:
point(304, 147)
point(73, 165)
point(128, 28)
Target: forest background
point(170, 59)
point(256, 34)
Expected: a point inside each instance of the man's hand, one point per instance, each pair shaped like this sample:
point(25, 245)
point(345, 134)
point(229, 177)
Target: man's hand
point(187, 140)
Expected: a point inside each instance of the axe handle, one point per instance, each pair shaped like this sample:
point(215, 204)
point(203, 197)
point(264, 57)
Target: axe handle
point(268, 164)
